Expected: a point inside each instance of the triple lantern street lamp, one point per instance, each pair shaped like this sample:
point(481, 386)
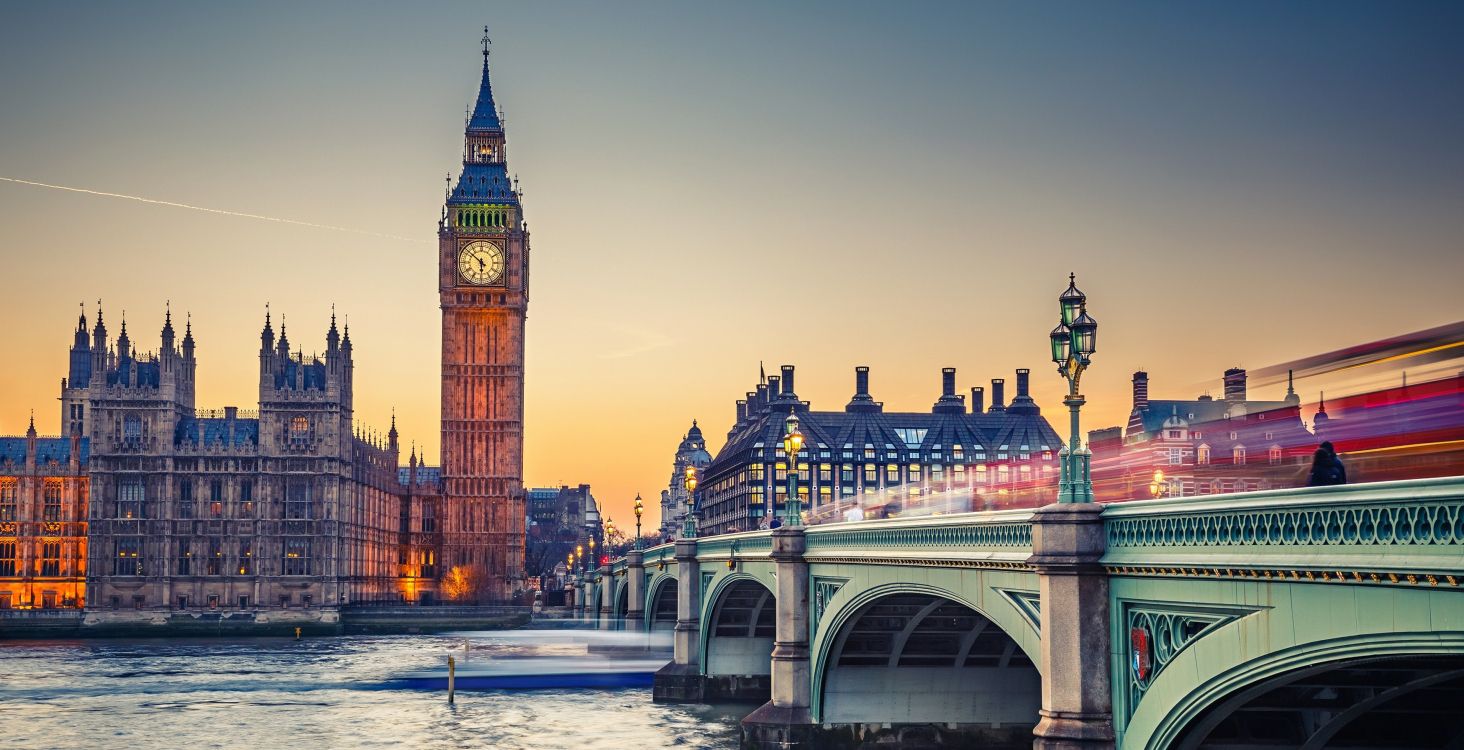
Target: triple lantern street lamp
point(792, 444)
point(640, 508)
point(688, 530)
point(1073, 343)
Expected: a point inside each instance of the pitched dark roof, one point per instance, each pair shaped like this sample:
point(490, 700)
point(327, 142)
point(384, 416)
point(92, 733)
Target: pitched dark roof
point(12, 449)
point(485, 112)
point(215, 431)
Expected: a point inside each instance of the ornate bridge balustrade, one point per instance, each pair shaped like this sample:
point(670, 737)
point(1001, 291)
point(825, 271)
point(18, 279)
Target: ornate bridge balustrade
point(1292, 618)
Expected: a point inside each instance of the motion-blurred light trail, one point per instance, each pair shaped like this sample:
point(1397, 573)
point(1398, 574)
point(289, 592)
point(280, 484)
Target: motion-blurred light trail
point(221, 211)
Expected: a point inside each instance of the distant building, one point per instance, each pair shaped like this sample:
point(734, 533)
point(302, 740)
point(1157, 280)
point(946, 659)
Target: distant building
point(43, 516)
point(559, 519)
point(692, 452)
point(1202, 446)
point(945, 460)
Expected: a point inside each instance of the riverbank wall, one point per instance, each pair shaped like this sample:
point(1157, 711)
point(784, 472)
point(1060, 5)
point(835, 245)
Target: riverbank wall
point(71, 623)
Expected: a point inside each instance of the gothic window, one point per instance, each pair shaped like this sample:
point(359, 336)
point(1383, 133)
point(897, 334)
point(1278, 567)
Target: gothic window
point(299, 429)
point(185, 559)
point(129, 558)
point(131, 499)
point(213, 563)
point(9, 508)
point(7, 559)
point(297, 500)
point(297, 556)
point(185, 499)
point(246, 496)
point(216, 498)
point(51, 502)
point(131, 429)
point(246, 557)
point(50, 559)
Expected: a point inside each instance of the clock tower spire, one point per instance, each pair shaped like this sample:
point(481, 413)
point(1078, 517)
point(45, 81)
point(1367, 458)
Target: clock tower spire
point(483, 282)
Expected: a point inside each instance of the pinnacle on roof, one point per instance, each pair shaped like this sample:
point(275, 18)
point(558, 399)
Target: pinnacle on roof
point(485, 112)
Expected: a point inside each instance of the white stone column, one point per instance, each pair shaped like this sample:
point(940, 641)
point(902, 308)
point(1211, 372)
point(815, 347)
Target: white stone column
point(635, 578)
point(607, 598)
point(688, 604)
point(787, 720)
point(1077, 703)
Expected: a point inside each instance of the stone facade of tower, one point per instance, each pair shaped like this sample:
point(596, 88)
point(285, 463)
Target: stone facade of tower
point(483, 261)
point(284, 513)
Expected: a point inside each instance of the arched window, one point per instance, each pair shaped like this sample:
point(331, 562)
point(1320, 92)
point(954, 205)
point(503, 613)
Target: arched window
point(1202, 455)
point(1237, 455)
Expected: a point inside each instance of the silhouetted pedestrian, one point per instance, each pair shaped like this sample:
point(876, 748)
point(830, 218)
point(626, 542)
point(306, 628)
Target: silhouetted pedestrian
point(1326, 468)
point(1341, 470)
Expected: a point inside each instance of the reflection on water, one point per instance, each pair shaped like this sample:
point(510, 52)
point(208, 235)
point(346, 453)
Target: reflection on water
point(316, 693)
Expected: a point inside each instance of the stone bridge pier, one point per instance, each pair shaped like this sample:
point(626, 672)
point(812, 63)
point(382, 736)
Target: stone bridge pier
point(681, 680)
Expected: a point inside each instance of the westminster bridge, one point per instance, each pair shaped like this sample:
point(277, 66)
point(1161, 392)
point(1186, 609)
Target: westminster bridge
point(1324, 617)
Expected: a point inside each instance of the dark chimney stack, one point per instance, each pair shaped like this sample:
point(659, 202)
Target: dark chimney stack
point(788, 381)
point(741, 410)
point(949, 402)
point(978, 399)
point(862, 401)
point(998, 394)
point(1235, 384)
point(775, 389)
point(1023, 403)
point(1141, 390)
point(1023, 375)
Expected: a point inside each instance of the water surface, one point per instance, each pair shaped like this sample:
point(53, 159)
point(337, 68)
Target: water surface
point(317, 693)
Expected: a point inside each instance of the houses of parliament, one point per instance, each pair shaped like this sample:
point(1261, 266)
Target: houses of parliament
point(148, 508)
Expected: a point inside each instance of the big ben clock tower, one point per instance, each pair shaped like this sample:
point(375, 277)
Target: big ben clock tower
point(483, 265)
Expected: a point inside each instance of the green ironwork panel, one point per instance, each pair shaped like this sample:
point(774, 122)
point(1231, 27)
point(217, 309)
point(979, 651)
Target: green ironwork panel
point(1007, 530)
point(747, 544)
point(1410, 527)
point(1212, 637)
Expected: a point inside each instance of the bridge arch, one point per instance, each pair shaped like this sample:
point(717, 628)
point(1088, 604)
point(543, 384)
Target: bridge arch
point(1317, 693)
point(738, 627)
point(919, 654)
point(662, 596)
point(621, 605)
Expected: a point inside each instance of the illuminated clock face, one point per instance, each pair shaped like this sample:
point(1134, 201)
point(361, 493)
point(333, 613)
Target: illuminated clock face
point(481, 263)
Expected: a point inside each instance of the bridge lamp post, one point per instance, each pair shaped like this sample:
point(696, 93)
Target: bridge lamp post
point(1160, 486)
point(579, 553)
point(688, 530)
point(594, 561)
point(792, 444)
point(640, 508)
point(1073, 343)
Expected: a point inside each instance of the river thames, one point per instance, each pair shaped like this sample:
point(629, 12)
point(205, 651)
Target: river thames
point(314, 693)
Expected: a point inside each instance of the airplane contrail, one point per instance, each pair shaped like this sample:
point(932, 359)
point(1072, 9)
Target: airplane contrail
point(240, 214)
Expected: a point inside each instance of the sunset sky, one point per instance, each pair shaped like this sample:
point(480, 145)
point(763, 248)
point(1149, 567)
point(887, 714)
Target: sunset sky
point(904, 186)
